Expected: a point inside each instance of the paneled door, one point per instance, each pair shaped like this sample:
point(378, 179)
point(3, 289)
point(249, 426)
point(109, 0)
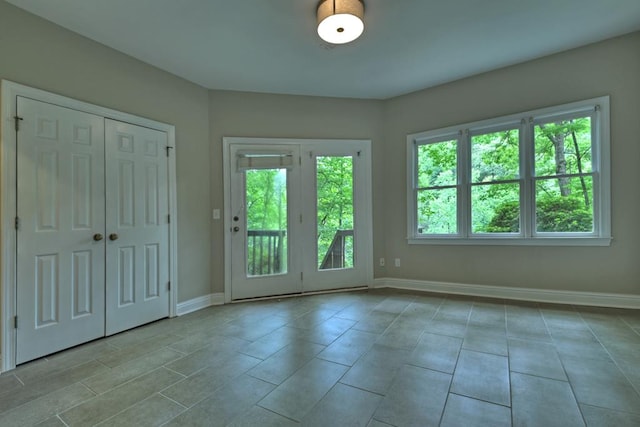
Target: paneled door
point(137, 226)
point(61, 210)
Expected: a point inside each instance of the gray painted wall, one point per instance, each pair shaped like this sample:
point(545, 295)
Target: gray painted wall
point(607, 68)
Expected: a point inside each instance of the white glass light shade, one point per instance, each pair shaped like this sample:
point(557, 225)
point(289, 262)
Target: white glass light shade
point(340, 21)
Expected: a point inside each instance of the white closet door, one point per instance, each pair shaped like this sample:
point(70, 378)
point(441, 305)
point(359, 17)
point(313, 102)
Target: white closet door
point(137, 230)
point(60, 204)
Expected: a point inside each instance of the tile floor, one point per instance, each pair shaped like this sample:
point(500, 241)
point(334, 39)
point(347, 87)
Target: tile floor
point(369, 358)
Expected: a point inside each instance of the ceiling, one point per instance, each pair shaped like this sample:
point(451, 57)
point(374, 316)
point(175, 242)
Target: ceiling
point(272, 45)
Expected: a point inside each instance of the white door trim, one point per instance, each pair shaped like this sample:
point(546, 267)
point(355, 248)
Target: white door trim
point(9, 91)
point(227, 168)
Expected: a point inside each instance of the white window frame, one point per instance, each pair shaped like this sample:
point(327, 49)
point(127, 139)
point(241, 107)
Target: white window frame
point(598, 108)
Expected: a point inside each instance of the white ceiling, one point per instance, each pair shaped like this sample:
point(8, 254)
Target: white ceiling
point(272, 45)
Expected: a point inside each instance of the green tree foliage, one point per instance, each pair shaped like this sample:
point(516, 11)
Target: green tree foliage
point(562, 166)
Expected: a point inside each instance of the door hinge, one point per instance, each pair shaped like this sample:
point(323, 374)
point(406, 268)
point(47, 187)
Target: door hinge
point(168, 218)
point(300, 160)
point(17, 122)
point(168, 148)
point(15, 322)
point(17, 223)
point(301, 275)
point(300, 218)
point(169, 286)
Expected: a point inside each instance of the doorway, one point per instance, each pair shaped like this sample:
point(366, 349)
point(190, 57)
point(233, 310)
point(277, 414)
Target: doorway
point(298, 217)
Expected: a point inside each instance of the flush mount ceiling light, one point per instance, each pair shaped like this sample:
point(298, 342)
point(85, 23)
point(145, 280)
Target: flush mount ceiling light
point(340, 21)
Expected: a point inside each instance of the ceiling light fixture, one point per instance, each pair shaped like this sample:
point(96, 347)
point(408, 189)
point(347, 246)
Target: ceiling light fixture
point(340, 21)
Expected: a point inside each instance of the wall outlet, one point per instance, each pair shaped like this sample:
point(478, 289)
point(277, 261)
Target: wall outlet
point(397, 262)
point(381, 262)
point(216, 214)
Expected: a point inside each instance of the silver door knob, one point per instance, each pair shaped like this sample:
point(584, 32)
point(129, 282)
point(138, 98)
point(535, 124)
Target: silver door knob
point(97, 237)
point(113, 236)
point(236, 228)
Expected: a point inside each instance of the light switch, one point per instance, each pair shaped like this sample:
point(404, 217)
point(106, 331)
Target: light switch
point(216, 214)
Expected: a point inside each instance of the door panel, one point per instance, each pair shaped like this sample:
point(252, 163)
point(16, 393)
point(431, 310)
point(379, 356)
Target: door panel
point(137, 227)
point(336, 252)
point(265, 205)
point(60, 203)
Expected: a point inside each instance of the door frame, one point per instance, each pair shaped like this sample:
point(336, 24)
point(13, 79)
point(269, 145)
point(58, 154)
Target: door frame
point(8, 205)
point(227, 169)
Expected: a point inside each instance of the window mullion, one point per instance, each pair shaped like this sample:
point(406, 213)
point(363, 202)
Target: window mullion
point(464, 183)
point(527, 194)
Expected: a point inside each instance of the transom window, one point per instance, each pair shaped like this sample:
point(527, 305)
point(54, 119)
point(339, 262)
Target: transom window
point(538, 177)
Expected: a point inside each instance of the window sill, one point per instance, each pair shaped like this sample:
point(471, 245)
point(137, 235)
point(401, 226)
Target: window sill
point(512, 241)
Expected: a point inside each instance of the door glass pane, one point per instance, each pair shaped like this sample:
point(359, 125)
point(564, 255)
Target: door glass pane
point(334, 201)
point(266, 207)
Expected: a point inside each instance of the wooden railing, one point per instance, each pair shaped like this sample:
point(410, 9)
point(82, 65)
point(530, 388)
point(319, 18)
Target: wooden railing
point(335, 256)
point(265, 251)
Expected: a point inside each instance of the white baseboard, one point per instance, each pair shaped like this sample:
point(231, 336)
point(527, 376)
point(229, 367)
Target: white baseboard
point(526, 294)
point(199, 303)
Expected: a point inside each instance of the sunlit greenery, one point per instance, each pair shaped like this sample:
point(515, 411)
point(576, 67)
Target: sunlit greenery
point(266, 209)
point(563, 181)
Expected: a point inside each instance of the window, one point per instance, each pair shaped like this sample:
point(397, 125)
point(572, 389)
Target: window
point(539, 177)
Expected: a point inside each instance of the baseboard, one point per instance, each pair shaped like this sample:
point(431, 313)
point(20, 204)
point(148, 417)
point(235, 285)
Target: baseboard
point(199, 303)
point(526, 294)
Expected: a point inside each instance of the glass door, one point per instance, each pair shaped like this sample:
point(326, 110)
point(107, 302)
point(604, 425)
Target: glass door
point(337, 231)
point(265, 199)
point(300, 216)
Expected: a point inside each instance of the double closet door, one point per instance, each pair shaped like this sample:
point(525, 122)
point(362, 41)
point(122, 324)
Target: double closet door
point(92, 227)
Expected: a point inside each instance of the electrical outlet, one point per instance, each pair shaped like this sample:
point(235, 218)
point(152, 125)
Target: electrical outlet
point(397, 262)
point(381, 262)
point(216, 214)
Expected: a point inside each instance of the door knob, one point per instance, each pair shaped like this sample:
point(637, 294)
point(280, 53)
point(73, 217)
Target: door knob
point(113, 236)
point(236, 228)
point(97, 237)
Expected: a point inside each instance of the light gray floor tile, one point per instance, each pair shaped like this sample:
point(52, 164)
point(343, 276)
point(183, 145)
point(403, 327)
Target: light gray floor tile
point(49, 384)
point(349, 405)
point(601, 417)
point(535, 358)
point(213, 354)
point(482, 376)
point(205, 382)
point(51, 422)
point(127, 371)
point(328, 331)
point(153, 411)
point(269, 344)
point(454, 327)
point(485, 341)
point(349, 347)
point(437, 352)
point(9, 383)
point(401, 336)
point(298, 394)
point(286, 362)
point(375, 322)
point(464, 411)
point(600, 383)
point(376, 370)
point(543, 402)
point(156, 342)
point(258, 416)
point(225, 405)
point(46, 407)
point(417, 397)
point(376, 423)
point(394, 305)
point(112, 402)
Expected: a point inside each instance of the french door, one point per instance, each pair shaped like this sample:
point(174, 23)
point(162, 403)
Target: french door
point(299, 217)
point(93, 233)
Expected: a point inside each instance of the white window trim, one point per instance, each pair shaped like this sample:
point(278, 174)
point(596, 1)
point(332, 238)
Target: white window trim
point(601, 168)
